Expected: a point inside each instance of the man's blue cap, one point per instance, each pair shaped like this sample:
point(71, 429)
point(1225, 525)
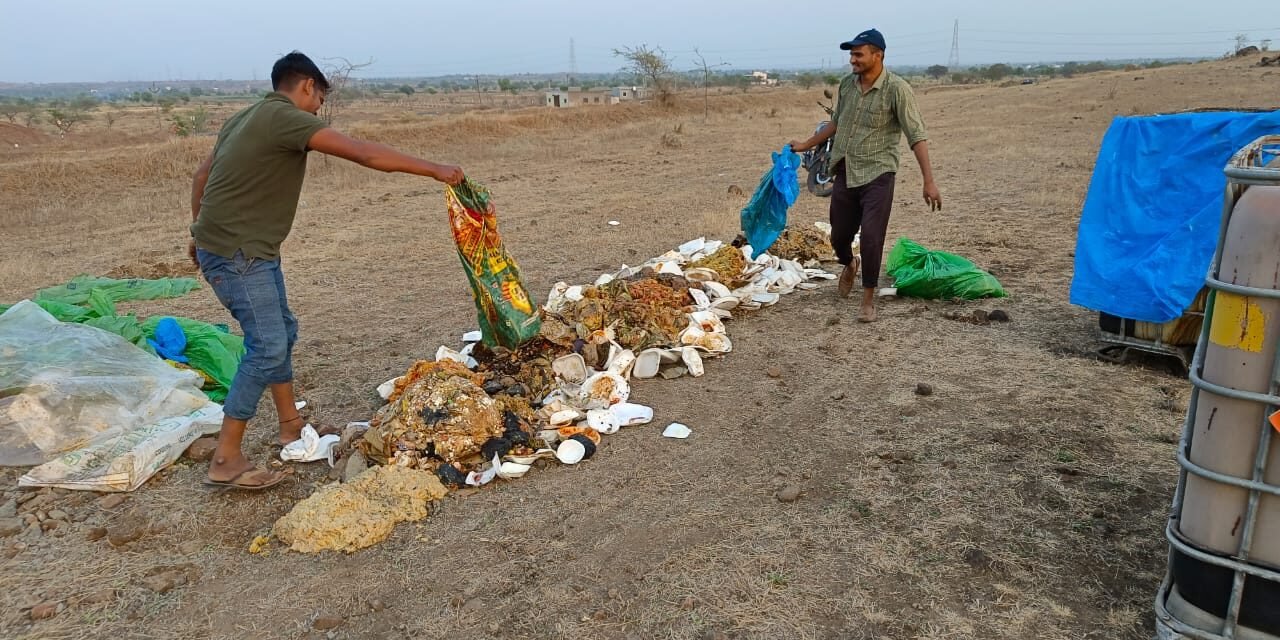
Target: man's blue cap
point(870, 36)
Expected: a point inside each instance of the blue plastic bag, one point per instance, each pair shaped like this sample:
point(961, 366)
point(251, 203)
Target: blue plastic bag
point(169, 340)
point(765, 215)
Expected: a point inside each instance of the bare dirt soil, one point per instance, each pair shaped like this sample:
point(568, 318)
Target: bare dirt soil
point(1024, 498)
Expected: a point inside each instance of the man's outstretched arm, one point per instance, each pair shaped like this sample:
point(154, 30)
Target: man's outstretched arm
point(380, 156)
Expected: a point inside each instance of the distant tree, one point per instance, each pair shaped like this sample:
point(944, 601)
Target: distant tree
point(11, 109)
point(962, 78)
point(653, 65)
point(937, 72)
point(338, 72)
point(997, 72)
point(84, 102)
point(706, 82)
point(30, 112)
point(432, 90)
point(405, 89)
point(1242, 41)
point(195, 122)
point(65, 119)
point(505, 84)
point(195, 92)
point(831, 79)
point(806, 80)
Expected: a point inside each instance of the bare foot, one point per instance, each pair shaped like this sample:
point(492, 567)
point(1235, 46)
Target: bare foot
point(867, 313)
point(848, 276)
point(291, 429)
point(224, 468)
point(238, 473)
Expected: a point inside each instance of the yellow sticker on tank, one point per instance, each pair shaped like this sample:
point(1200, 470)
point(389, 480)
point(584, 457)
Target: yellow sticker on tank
point(1238, 323)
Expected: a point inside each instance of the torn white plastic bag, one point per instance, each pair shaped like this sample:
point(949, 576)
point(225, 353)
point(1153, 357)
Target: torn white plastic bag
point(310, 447)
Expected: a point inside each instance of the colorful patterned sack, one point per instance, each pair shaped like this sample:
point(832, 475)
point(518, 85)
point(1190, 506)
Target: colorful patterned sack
point(507, 316)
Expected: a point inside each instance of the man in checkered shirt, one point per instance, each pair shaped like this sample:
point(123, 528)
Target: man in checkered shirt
point(874, 109)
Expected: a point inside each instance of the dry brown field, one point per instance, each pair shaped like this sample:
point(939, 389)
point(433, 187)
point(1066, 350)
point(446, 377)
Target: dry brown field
point(1025, 498)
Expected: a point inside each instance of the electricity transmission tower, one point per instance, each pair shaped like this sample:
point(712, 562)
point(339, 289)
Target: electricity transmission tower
point(573, 63)
point(953, 62)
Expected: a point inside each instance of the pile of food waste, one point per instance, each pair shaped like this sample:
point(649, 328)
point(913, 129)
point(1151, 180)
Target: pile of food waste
point(480, 413)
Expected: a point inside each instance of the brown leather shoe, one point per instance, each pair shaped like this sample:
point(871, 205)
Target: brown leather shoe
point(848, 277)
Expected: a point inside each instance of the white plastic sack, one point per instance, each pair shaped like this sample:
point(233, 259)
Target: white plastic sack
point(124, 462)
point(71, 388)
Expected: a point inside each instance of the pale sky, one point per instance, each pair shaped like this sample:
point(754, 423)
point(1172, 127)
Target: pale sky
point(102, 40)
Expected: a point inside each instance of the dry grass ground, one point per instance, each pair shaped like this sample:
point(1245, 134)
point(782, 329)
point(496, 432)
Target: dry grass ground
point(1025, 498)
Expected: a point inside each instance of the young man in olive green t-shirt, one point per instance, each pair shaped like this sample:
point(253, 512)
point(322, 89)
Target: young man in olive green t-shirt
point(243, 200)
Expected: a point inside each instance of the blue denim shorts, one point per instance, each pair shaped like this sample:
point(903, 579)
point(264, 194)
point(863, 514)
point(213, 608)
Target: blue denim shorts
point(252, 289)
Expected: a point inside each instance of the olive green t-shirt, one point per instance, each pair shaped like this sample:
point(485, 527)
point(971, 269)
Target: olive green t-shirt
point(259, 162)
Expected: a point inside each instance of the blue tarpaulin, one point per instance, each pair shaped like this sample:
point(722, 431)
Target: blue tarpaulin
point(1150, 222)
point(766, 214)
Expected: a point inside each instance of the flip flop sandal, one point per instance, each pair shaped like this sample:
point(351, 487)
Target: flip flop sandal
point(238, 481)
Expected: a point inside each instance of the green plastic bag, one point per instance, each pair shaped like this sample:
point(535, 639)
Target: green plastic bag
point(77, 291)
point(210, 349)
point(506, 313)
point(921, 273)
point(126, 327)
point(100, 304)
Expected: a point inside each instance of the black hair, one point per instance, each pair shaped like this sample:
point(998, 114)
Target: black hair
point(294, 67)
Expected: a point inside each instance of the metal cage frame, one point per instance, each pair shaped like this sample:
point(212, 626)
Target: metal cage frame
point(1246, 168)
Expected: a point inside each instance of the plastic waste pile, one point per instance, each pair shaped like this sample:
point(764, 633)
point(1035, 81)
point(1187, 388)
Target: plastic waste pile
point(210, 350)
point(94, 411)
